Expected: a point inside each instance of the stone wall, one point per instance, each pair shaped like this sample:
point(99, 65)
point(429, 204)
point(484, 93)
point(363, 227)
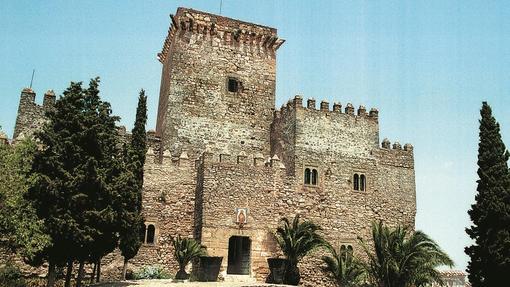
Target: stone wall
point(168, 204)
point(197, 112)
point(250, 184)
point(283, 135)
point(329, 132)
point(269, 194)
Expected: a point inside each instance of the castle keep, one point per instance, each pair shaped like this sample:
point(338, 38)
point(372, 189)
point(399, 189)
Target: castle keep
point(224, 165)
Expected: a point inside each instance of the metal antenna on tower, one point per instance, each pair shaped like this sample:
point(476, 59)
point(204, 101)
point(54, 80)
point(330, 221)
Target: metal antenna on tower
point(221, 4)
point(32, 80)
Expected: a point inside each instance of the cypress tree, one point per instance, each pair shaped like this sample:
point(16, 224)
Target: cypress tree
point(489, 263)
point(139, 139)
point(132, 220)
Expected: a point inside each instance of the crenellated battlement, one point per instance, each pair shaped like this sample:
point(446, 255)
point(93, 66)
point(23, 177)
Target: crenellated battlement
point(166, 158)
point(386, 144)
point(28, 96)
point(30, 114)
point(242, 159)
point(324, 107)
point(395, 155)
point(303, 133)
point(155, 157)
point(221, 30)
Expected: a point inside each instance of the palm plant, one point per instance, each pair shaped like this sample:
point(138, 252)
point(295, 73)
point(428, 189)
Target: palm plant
point(403, 258)
point(185, 250)
point(296, 240)
point(343, 267)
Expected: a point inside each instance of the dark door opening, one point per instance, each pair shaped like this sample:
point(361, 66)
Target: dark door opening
point(239, 255)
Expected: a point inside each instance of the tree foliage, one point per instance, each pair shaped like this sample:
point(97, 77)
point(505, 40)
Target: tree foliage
point(296, 240)
point(132, 197)
point(489, 263)
point(185, 250)
point(343, 267)
point(131, 219)
point(20, 228)
point(139, 140)
point(78, 170)
point(402, 258)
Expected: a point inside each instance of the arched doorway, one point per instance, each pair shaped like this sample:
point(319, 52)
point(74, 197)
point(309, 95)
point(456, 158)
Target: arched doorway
point(239, 255)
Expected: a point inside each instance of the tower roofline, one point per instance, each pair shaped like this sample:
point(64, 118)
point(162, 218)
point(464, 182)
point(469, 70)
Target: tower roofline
point(228, 30)
point(222, 19)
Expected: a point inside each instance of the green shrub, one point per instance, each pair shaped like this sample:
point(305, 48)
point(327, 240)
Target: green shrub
point(10, 276)
point(35, 281)
point(185, 250)
point(151, 272)
point(38, 282)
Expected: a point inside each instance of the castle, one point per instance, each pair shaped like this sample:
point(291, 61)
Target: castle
point(224, 165)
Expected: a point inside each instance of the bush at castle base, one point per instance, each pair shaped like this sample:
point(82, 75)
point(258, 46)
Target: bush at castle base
point(151, 272)
point(10, 276)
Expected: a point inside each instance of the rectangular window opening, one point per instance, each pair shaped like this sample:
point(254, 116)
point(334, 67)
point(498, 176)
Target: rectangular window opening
point(233, 85)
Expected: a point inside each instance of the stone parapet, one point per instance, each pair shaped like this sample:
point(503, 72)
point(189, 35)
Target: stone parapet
point(297, 104)
point(395, 156)
point(242, 160)
point(220, 30)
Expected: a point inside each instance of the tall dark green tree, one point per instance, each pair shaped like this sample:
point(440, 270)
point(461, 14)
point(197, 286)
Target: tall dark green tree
point(490, 254)
point(131, 217)
point(103, 177)
point(139, 140)
point(77, 168)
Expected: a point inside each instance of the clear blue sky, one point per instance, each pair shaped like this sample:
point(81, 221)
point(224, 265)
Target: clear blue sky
point(427, 66)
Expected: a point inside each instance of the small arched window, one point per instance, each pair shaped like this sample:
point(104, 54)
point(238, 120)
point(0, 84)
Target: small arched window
point(308, 175)
point(151, 233)
point(356, 181)
point(311, 176)
point(362, 182)
point(314, 177)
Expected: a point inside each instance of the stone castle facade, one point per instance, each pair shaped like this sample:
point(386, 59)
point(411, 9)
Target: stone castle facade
point(224, 165)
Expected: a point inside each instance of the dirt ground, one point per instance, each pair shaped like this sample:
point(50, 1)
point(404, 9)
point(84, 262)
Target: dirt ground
point(170, 283)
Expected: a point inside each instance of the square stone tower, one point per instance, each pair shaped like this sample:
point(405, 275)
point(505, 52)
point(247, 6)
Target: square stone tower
point(217, 86)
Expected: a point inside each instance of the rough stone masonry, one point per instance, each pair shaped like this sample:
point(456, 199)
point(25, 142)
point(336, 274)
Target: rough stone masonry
point(221, 149)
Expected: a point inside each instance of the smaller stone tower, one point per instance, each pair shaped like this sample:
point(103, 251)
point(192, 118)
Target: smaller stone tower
point(31, 115)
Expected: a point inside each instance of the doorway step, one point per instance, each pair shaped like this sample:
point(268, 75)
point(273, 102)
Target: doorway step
point(240, 278)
